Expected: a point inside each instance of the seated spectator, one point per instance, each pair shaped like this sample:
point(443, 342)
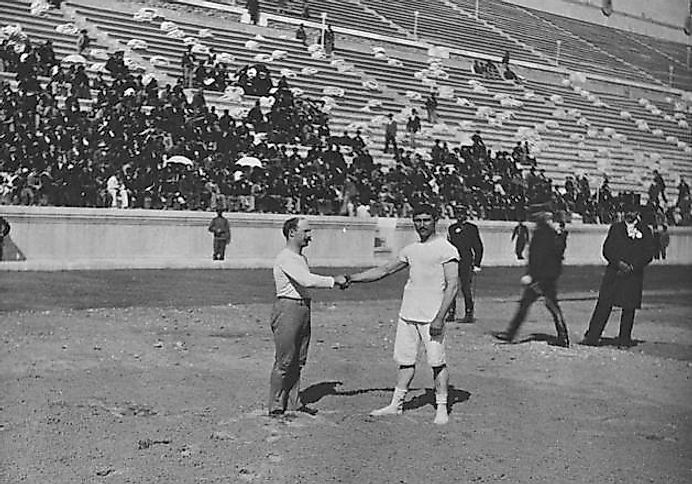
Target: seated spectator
point(306, 9)
point(509, 75)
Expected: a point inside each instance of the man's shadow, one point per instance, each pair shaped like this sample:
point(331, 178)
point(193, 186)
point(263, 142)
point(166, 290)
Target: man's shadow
point(552, 340)
point(316, 392)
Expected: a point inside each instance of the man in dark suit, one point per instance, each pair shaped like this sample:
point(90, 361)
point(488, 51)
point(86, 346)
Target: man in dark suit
point(4, 232)
point(545, 265)
point(465, 237)
point(628, 248)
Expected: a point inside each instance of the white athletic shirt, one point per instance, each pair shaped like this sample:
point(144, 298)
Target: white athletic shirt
point(292, 276)
point(424, 289)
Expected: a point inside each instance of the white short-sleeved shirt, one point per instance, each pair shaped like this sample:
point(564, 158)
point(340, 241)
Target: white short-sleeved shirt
point(425, 287)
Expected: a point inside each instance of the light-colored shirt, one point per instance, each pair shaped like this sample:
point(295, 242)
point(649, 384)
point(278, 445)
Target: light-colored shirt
point(292, 276)
point(426, 283)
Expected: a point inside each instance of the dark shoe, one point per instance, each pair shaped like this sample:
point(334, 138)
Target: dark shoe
point(276, 413)
point(563, 343)
point(308, 410)
point(503, 336)
point(588, 342)
point(626, 344)
point(468, 318)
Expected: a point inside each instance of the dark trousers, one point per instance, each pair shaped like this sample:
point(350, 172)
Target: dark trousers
point(219, 249)
point(599, 319)
point(465, 283)
point(290, 323)
point(389, 140)
point(519, 249)
point(547, 289)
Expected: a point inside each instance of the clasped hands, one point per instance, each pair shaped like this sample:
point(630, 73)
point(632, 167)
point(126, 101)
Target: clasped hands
point(624, 268)
point(342, 281)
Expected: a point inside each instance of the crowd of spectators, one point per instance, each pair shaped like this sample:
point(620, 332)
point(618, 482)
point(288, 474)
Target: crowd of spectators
point(111, 140)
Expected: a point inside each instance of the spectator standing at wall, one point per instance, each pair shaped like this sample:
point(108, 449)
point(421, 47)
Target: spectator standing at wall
point(221, 229)
point(4, 232)
point(253, 9)
point(413, 127)
point(431, 107)
point(520, 236)
point(664, 241)
point(390, 134)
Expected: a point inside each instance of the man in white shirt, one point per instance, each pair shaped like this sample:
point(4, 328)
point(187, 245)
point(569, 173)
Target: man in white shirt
point(428, 295)
point(290, 319)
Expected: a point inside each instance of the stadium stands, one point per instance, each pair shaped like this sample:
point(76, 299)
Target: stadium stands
point(569, 130)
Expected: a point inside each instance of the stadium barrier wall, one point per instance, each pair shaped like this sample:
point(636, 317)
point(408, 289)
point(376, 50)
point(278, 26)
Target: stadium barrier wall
point(57, 238)
point(584, 242)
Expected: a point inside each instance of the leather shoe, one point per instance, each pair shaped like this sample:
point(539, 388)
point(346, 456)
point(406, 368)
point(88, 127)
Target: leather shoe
point(503, 336)
point(468, 318)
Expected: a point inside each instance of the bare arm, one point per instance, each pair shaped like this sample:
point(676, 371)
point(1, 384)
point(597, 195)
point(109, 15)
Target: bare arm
point(377, 273)
point(451, 271)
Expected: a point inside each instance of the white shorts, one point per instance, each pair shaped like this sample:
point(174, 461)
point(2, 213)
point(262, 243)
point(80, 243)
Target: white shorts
point(408, 338)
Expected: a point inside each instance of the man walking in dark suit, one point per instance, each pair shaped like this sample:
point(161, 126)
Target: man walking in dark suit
point(465, 237)
point(545, 265)
point(521, 236)
point(628, 248)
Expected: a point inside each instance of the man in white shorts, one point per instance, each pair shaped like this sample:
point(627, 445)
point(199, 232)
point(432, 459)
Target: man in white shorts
point(428, 294)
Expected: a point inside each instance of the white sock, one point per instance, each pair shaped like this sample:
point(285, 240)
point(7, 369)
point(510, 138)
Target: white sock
point(398, 396)
point(441, 416)
point(396, 406)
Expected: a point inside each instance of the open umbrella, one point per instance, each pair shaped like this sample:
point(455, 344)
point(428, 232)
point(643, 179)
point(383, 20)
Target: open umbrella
point(178, 160)
point(74, 59)
point(249, 161)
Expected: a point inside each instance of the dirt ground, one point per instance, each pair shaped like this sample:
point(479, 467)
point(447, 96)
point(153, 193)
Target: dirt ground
point(135, 387)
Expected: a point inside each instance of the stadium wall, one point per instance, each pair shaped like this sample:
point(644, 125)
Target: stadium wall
point(55, 238)
point(663, 19)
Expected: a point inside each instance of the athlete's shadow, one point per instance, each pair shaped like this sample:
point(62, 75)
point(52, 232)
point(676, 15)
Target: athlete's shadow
point(314, 393)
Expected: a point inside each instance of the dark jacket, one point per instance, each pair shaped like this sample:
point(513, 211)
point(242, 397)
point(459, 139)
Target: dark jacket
point(545, 254)
point(467, 240)
point(4, 228)
point(521, 233)
point(620, 288)
point(220, 228)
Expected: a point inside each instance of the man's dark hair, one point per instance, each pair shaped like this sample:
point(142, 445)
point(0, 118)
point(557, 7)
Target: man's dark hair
point(425, 208)
point(290, 224)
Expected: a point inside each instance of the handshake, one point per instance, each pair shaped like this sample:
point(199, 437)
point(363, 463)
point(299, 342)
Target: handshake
point(342, 281)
